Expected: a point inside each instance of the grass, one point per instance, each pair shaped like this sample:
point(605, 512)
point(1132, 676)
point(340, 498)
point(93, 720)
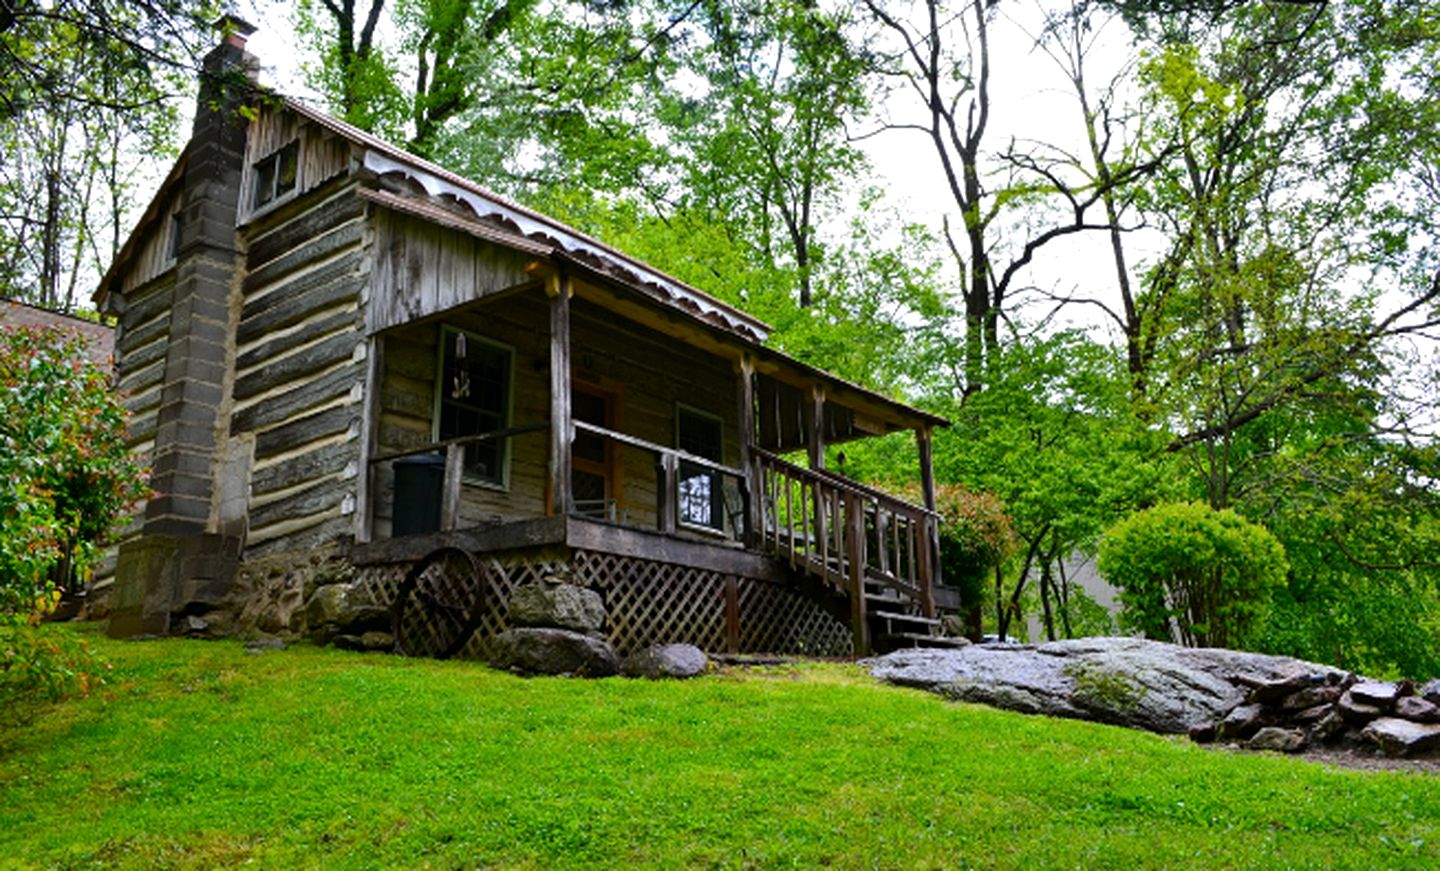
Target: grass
point(196, 754)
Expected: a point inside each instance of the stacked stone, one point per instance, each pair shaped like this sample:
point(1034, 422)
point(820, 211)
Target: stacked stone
point(1292, 713)
point(557, 630)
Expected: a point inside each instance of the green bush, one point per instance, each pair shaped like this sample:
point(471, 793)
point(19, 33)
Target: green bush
point(65, 474)
point(976, 535)
point(1207, 575)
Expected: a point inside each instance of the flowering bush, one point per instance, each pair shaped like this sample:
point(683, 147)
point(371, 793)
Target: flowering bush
point(976, 535)
point(65, 474)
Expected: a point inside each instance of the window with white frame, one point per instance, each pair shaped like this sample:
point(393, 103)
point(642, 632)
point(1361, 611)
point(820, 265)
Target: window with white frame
point(699, 495)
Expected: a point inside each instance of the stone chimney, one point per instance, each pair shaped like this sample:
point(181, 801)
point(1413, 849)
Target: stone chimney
point(180, 564)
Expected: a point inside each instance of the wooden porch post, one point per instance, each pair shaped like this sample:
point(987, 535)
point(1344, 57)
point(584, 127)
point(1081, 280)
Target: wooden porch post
point(559, 289)
point(817, 427)
point(855, 555)
point(745, 396)
point(927, 466)
point(369, 438)
point(930, 546)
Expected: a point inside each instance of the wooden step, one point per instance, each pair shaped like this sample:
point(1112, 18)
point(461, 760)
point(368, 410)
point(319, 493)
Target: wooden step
point(905, 618)
point(916, 639)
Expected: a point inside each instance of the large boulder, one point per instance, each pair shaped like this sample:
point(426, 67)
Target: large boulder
point(343, 609)
point(667, 660)
point(539, 650)
point(552, 603)
point(1124, 681)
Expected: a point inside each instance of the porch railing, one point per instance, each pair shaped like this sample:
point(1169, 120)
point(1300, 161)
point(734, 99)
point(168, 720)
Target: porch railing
point(844, 532)
point(692, 493)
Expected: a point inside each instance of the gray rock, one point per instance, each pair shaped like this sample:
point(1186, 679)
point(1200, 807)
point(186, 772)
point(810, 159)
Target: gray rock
point(366, 642)
point(195, 625)
point(1417, 709)
point(1381, 694)
point(558, 606)
point(261, 644)
point(1277, 739)
point(1355, 711)
point(1310, 697)
point(1397, 737)
point(1430, 692)
point(1124, 681)
point(538, 650)
point(1312, 715)
point(342, 609)
point(1276, 689)
point(666, 660)
point(1241, 723)
point(1329, 727)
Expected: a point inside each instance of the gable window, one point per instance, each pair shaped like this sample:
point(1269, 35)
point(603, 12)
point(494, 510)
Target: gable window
point(699, 490)
point(472, 398)
point(275, 176)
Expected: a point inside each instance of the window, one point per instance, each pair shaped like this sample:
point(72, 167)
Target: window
point(473, 397)
point(275, 176)
point(700, 497)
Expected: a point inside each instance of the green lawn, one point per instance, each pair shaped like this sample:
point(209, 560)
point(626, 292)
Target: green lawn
point(196, 754)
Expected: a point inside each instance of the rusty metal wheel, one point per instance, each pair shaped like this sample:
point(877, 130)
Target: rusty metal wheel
point(437, 607)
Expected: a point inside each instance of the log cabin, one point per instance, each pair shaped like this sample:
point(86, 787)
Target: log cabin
point(348, 365)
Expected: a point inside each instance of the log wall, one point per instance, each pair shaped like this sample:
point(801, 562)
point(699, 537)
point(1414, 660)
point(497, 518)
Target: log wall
point(300, 354)
point(142, 335)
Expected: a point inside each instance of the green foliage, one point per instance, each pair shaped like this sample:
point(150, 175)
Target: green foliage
point(1209, 574)
point(45, 665)
point(199, 755)
point(65, 473)
point(976, 536)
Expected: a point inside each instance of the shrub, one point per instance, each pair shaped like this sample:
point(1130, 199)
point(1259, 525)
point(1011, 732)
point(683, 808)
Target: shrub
point(976, 535)
point(65, 473)
point(1207, 575)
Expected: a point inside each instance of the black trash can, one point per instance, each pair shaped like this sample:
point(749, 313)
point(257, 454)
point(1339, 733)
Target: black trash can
point(419, 490)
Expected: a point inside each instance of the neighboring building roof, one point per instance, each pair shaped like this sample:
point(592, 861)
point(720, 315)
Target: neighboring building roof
point(99, 338)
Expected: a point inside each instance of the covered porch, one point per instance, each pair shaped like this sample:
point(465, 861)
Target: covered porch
point(568, 413)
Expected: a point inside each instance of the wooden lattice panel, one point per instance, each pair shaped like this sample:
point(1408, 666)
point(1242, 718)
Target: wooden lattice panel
point(648, 602)
point(503, 573)
point(774, 619)
point(656, 603)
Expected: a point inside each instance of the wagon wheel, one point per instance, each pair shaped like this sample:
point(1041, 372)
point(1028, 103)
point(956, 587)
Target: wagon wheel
point(437, 607)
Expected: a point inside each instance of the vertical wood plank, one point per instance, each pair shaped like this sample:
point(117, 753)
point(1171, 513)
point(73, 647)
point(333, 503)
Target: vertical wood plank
point(855, 554)
point(732, 614)
point(558, 288)
point(666, 475)
point(369, 438)
point(927, 589)
point(745, 396)
point(454, 476)
point(815, 435)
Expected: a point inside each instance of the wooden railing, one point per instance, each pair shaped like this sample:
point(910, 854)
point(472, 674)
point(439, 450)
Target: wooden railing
point(844, 532)
point(454, 453)
point(723, 486)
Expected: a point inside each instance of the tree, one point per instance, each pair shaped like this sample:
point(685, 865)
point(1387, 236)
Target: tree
point(66, 475)
point(87, 92)
point(1188, 572)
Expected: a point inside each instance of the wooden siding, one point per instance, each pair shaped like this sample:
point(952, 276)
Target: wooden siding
point(299, 373)
point(153, 257)
point(651, 372)
point(423, 269)
point(323, 155)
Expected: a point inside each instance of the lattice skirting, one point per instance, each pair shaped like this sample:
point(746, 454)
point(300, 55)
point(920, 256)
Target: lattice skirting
point(649, 602)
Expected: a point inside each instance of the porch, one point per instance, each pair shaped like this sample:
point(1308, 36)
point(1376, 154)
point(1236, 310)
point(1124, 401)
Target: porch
point(609, 435)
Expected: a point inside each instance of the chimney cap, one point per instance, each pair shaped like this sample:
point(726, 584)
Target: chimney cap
point(234, 29)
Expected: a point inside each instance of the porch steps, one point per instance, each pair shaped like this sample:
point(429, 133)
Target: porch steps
point(896, 629)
